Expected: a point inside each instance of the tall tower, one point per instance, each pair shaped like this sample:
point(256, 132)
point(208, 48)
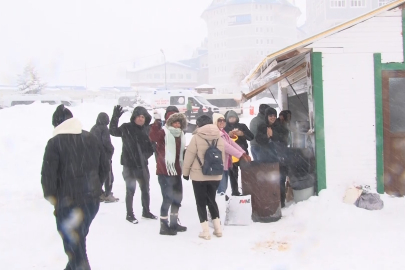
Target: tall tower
point(241, 33)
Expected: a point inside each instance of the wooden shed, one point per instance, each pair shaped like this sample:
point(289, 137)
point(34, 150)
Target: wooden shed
point(348, 83)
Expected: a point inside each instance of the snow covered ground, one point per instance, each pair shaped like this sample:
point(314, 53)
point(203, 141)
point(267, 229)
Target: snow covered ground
point(321, 233)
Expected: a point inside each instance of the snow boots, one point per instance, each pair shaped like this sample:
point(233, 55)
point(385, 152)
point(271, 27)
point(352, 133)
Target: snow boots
point(174, 224)
point(205, 234)
point(217, 227)
point(165, 229)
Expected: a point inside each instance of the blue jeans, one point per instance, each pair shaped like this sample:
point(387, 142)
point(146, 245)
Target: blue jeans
point(255, 149)
point(172, 193)
point(73, 223)
point(223, 184)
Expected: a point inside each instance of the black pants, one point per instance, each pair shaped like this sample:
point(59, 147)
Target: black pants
point(131, 176)
point(233, 177)
point(172, 193)
point(205, 192)
point(73, 223)
point(283, 177)
point(108, 184)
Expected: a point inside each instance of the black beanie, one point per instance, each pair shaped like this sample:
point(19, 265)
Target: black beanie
point(262, 108)
point(60, 115)
point(203, 120)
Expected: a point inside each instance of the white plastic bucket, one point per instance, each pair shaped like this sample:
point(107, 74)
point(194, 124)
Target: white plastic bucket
point(304, 194)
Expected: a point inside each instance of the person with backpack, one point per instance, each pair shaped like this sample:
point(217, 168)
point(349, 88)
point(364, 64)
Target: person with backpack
point(170, 144)
point(203, 162)
point(136, 150)
point(242, 134)
point(231, 149)
point(100, 130)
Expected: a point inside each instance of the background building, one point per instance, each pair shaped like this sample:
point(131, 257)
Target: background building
point(240, 32)
point(183, 74)
point(324, 14)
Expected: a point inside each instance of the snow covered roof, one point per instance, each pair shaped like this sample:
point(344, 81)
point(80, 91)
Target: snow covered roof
point(220, 3)
point(204, 86)
point(162, 64)
point(299, 47)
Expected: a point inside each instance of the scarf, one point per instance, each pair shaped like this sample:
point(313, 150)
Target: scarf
point(170, 148)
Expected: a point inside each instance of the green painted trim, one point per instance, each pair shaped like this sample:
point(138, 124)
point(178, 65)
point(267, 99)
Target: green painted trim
point(393, 66)
point(317, 92)
point(379, 122)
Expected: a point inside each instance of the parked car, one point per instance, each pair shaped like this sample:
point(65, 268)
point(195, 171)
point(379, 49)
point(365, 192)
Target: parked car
point(12, 100)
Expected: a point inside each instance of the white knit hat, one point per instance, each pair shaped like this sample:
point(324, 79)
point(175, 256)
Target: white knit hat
point(215, 118)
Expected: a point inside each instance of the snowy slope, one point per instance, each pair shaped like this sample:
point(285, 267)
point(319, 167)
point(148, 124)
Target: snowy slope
point(321, 233)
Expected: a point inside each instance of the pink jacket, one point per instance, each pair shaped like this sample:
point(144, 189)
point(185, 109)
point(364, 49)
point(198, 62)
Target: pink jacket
point(231, 149)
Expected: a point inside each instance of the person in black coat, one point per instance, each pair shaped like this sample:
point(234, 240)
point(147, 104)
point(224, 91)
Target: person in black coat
point(234, 128)
point(73, 169)
point(136, 150)
point(100, 130)
point(271, 136)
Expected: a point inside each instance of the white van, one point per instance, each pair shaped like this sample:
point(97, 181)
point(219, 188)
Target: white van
point(180, 98)
point(26, 99)
point(225, 102)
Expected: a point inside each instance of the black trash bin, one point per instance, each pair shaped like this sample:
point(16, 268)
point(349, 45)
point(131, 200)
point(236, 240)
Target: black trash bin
point(262, 181)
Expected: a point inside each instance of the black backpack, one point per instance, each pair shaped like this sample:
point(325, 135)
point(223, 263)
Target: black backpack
point(213, 164)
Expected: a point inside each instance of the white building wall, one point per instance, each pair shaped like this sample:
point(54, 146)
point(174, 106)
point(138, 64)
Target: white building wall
point(348, 92)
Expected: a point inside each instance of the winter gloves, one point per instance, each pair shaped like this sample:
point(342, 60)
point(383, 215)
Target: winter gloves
point(186, 177)
point(118, 111)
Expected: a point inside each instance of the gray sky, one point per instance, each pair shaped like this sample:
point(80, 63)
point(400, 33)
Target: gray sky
point(61, 38)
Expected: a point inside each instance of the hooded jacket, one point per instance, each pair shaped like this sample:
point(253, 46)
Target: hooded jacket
point(231, 148)
point(74, 165)
point(268, 145)
point(157, 135)
point(198, 146)
point(133, 135)
point(100, 130)
point(247, 134)
point(256, 122)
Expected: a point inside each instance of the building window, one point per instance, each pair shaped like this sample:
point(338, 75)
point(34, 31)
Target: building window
point(337, 3)
point(180, 76)
point(188, 76)
point(173, 76)
point(383, 2)
point(358, 3)
point(156, 76)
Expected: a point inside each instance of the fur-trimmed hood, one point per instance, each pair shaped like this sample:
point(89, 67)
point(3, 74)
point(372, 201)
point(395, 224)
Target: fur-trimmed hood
point(177, 117)
point(70, 126)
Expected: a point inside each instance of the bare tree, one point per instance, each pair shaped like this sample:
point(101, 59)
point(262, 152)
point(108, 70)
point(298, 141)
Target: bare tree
point(29, 82)
point(242, 69)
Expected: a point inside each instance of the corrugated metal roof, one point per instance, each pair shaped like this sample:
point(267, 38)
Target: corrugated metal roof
point(310, 40)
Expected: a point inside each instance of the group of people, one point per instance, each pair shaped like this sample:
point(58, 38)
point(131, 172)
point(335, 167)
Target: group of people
point(77, 163)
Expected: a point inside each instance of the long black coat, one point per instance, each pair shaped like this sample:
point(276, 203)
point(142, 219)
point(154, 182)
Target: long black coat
point(74, 165)
point(273, 148)
point(100, 130)
point(133, 135)
point(242, 140)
